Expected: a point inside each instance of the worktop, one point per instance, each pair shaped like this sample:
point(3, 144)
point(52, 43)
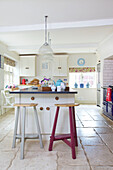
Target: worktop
point(34, 91)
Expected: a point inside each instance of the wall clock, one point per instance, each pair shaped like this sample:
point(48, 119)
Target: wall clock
point(81, 62)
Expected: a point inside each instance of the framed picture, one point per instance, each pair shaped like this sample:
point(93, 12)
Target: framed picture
point(45, 66)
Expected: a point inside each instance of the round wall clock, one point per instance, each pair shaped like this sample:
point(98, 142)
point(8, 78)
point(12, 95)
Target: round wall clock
point(81, 61)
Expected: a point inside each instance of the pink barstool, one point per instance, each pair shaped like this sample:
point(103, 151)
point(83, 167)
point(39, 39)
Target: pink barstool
point(73, 133)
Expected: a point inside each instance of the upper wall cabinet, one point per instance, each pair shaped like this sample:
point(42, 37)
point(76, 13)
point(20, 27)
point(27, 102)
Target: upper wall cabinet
point(60, 65)
point(27, 66)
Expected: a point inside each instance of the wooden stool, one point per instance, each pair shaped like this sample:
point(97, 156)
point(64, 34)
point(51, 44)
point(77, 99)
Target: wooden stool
point(24, 136)
point(73, 132)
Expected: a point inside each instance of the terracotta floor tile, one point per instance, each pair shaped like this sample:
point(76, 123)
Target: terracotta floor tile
point(66, 159)
point(6, 158)
point(78, 124)
point(85, 117)
point(91, 141)
point(94, 124)
point(105, 130)
point(102, 167)
point(108, 140)
point(35, 160)
point(86, 132)
point(99, 155)
point(97, 117)
point(73, 167)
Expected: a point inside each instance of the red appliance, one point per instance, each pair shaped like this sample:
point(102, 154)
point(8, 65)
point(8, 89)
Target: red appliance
point(108, 95)
point(23, 81)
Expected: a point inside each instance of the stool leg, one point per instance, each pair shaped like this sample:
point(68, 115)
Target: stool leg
point(53, 131)
point(23, 133)
point(72, 133)
point(38, 127)
point(75, 130)
point(15, 127)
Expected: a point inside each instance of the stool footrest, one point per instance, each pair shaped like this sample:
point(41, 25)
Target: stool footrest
point(28, 136)
point(62, 136)
point(67, 142)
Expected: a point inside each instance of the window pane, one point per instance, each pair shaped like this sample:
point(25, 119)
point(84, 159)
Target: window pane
point(84, 78)
point(8, 75)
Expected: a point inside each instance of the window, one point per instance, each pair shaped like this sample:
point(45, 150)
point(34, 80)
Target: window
point(8, 75)
point(84, 78)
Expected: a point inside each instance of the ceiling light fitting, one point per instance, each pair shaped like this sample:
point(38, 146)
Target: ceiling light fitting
point(45, 50)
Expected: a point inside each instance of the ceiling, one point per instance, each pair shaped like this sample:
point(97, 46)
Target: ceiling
point(75, 26)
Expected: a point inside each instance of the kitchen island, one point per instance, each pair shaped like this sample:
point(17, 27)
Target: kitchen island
point(46, 109)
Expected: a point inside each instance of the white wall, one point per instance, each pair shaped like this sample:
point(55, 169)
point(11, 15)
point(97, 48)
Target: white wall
point(84, 95)
point(90, 59)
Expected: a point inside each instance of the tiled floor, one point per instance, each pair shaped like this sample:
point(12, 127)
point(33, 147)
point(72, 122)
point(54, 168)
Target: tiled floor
point(95, 150)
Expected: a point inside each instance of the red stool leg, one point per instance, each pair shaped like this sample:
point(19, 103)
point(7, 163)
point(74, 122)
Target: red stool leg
point(75, 130)
point(72, 133)
point(53, 131)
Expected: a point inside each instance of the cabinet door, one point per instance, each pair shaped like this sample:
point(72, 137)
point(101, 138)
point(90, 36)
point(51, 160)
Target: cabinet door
point(63, 65)
point(27, 66)
point(44, 119)
point(56, 67)
point(60, 66)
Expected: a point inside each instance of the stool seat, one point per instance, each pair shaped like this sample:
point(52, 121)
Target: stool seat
point(25, 104)
point(67, 105)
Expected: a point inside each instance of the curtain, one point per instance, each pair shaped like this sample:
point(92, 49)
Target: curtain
point(82, 69)
point(9, 62)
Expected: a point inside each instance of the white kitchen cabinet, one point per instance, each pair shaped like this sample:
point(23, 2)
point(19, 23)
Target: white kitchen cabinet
point(60, 66)
point(27, 66)
point(46, 112)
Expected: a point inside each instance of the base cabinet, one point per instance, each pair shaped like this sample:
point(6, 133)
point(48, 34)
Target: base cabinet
point(46, 112)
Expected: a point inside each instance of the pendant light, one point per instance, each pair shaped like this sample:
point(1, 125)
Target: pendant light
point(45, 50)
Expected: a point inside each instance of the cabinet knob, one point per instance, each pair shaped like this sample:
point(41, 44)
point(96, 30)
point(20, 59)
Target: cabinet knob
point(41, 108)
point(56, 98)
point(47, 108)
point(32, 98)
point(59, 67)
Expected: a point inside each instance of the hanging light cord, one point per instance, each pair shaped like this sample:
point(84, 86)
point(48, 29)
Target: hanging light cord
point(46, 29)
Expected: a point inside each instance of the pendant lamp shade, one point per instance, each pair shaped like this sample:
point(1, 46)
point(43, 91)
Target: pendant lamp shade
point(45, 50)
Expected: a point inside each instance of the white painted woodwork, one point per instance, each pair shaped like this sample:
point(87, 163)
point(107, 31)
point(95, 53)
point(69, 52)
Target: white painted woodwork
point(60, 66)
point(46, 117)
point(27, 66)
point(86, 95)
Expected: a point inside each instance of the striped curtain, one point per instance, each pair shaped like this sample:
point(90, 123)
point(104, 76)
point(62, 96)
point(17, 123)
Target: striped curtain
point(81, 69)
